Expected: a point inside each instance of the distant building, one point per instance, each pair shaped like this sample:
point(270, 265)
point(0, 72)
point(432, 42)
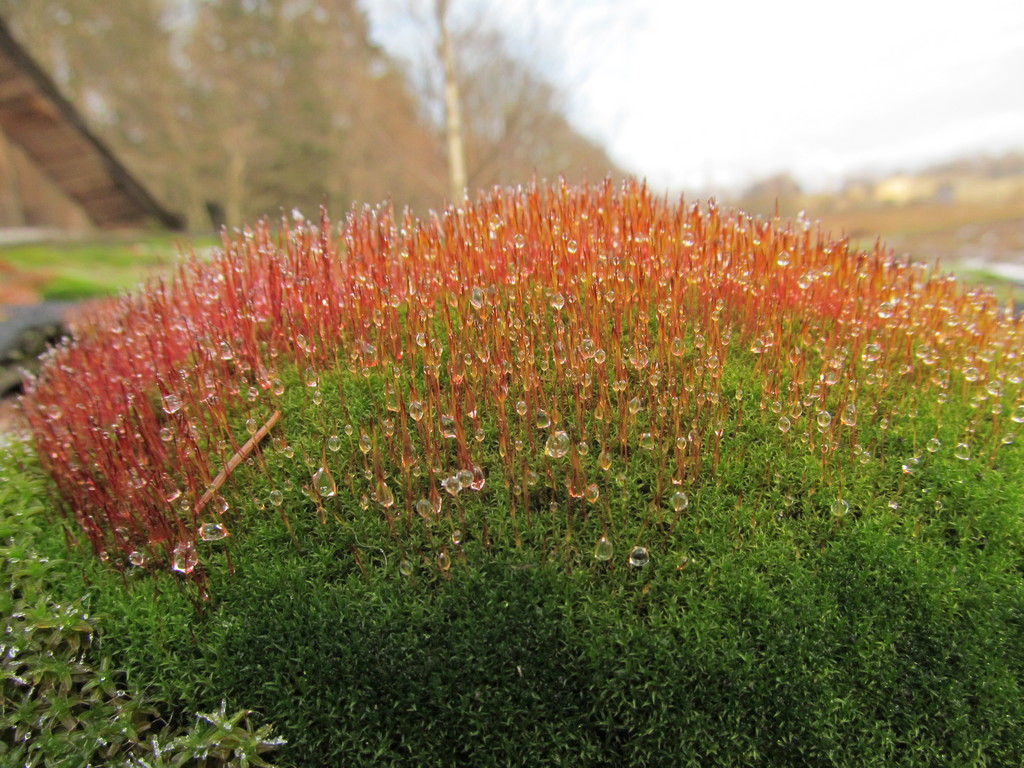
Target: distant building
point(904, 189)
point(53, 171)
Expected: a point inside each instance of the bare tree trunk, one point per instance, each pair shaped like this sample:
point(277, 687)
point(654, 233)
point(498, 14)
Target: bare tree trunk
point(235, 187)
point(452, 109)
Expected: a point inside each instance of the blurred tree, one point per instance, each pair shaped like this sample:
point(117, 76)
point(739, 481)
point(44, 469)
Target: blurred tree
point(250, 106)
point(492, 102)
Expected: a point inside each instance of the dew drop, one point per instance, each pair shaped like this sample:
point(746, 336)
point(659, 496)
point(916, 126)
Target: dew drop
point(639, 557)
point(172, 404)
point(225, 351)
point(136, 558)
point(557, 302)
point(384, 495)
point(557, 444)
point(603, 549)
point(646, 441)
point(592, 493)
point(639, 356)
point(166, 434)
point(334, 443)
point(635, 404)
point(311, 378)
point(849, 417)
point(679, 501)
point(443, 561)
point(782, 259)
point(212, 531)
point(824, 419)
point(184, 557)
point(933, 445)
point(962, 451)
point(1018, 414)
point(251, 426)
point(452, 484)
point(784, 424)
point(171, 491)
point(405, 567)
point(324, 483)
point(604, 460)
point(543, 421)
point(277, 387)
point(872, 352)
point(478, 480)
point(457, 537)
point(840, 507)
point(415, 410)
point(476, 298)
point(318, 397)
point(572, 246)
point(424, 508)
point(276, 498)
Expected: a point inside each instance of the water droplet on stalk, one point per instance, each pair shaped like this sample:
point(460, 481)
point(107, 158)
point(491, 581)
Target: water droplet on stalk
point(557, 444)
point(543, 421)
point(592, 493)
point(452, 484)
point(324, 483)
point(603, 549)
point(639, 557)
point(172, 404)
point(184, 557)
point(405, 567)
point(448, 427)
point(415, 410)
point(840, 507)
point(136, 558)
point(679, 501)
point(212, 531)
point(962, 451)
point(849, 417)
point(276, 498)
point(334, 443)
point(443, 561)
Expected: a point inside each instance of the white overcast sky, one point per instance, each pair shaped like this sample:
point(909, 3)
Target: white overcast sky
point(716, 93)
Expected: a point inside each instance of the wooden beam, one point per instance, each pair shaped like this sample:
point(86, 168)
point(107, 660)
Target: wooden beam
point(51, 132)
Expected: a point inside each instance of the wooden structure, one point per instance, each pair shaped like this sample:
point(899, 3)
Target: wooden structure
point(38, 120)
